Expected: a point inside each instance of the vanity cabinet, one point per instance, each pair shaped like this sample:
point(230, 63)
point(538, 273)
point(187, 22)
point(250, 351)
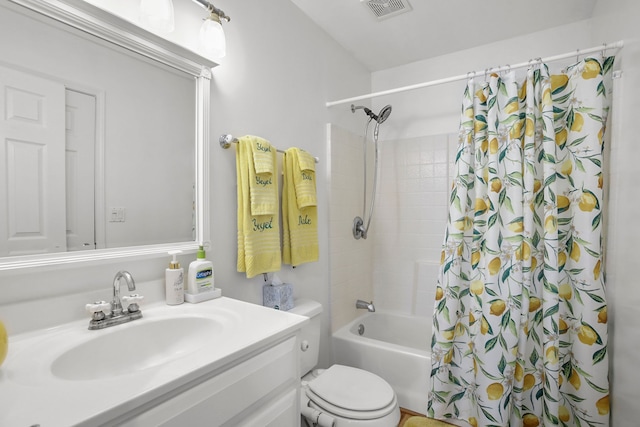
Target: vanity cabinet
point(260, 390)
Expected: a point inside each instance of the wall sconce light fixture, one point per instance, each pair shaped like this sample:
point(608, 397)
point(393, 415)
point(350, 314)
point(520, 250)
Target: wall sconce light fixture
point(157, 14)
point(212, 39)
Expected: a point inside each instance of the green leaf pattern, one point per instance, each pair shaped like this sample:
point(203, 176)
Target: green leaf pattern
point(520, 321)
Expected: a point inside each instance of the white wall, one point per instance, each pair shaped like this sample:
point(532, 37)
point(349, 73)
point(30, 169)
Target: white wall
point(618, 20)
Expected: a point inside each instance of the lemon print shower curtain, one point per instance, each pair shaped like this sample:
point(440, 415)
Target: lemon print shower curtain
point(520, 321)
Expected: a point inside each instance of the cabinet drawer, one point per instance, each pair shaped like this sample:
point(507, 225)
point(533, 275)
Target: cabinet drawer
point(228, 394)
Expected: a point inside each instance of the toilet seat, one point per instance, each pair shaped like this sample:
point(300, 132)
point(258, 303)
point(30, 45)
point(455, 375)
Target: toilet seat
point(352, 393)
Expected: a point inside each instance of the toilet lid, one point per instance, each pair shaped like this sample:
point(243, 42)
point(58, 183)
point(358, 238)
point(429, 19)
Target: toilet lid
point(353, 389)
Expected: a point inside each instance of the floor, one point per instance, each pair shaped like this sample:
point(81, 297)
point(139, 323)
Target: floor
point(406, 414)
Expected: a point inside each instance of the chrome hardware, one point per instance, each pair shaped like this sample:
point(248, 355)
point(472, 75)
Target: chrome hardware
point(104, 314)
point(365, 305)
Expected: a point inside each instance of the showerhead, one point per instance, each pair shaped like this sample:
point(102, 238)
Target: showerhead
point(381, 117)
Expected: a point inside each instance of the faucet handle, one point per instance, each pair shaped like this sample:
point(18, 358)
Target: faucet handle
point(98, 309)
point(132, 301)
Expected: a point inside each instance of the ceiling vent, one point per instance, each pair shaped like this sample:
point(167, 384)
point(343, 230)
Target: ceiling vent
point(383, 9)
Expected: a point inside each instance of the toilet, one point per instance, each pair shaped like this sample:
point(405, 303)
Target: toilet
point(340, 396)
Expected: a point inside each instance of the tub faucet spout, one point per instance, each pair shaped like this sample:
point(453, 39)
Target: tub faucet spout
point(365, 305)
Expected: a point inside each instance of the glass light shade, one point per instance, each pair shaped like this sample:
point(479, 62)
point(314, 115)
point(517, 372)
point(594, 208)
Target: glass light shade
point(212, 39)
point(157, 14)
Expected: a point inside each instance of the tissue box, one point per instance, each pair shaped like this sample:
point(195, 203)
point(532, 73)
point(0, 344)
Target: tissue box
point(278, 296)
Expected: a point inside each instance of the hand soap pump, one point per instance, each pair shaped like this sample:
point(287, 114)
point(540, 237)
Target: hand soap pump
point(200, 285)
point(174, 286)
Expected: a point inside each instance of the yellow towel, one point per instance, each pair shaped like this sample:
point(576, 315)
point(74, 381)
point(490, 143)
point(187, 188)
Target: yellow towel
point(262, 164)
point(304, 178)
point(300, 235)
point(258, 235)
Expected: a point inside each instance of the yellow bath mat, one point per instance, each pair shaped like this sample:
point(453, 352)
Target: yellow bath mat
point(424, 422)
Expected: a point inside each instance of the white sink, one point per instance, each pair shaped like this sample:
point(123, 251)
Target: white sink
point(138, 346)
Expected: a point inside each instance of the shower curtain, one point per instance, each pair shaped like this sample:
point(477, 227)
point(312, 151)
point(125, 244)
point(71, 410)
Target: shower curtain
point(520, 320)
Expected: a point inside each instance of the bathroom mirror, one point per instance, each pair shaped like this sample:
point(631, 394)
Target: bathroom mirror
point(95, 108)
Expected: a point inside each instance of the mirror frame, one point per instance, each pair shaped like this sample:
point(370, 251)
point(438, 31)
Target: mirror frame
point(106, 26)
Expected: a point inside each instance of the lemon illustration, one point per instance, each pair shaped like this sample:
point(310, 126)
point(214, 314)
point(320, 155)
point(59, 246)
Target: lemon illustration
point(473, 421)
point(530, 420)
point(603, 405)
point(480, 206)
point(534, 263)
point(561, 137)
point(600, 181)
point(516, 227)
point(596, 270)
point(567, 167)
point(562, 326)
point(477, 287)
point(558, 81)
point(511, 107)
point(516, 129)
point(522, 92)
point(469, 112)
point(587, 335)
point(536, 185)
point(496, 185)
point(529, 128)
point(447, 334)
point(4, 343)
point(497, 307)
point(523, 253)
point(578, 122)
point(575, 251)
point(484, 145)
point(534, 304)
point(518, 373)
point(563, 203)
point(574, 379)
point(565, 291)
point(495, 391)
point(475, 258)
point(602, 315)
point(494, 266)
point(546, 97)
point(439, 293)
point(494, 146)
point(563, 413)
point(448, 356)
point(529, 382)
point(479, 126)
point(484, 326)
point(562, 260)
point(601, 134)
point(550, 224)
point(459, 329)
point(481, 96)
point(460, 249)
point(587, 202)
point(472, 318)
point(552, 354)
point(443, 256)
point(591, 69)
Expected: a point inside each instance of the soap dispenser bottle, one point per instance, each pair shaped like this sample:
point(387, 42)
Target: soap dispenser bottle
point(174, 285)
point(200, 274)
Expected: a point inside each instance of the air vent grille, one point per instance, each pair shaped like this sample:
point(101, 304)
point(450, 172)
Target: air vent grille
point(387, 8)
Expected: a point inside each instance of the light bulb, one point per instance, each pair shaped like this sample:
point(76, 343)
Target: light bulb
point(212, 38)
point(157, 14)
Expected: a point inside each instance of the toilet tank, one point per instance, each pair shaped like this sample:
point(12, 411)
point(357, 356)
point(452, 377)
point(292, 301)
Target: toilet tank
point(309, 334)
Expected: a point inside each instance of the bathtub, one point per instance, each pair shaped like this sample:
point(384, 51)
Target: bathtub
point(394, 346)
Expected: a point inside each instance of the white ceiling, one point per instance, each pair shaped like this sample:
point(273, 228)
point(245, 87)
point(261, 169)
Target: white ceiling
point(435, 27)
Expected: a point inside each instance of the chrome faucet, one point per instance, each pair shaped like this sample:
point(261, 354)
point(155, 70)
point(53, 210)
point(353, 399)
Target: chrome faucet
point(365, 305)
point(104, 314)
point(116, 304)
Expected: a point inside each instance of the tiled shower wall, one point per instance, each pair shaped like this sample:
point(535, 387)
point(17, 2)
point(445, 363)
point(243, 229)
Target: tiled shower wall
point(397, 265)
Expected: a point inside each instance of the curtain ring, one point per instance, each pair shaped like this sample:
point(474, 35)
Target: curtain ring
point(471, 75)
point(604, 50)
point(577, 55)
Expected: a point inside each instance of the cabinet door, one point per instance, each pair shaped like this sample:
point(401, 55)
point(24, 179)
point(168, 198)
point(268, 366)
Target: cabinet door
point(236, 396)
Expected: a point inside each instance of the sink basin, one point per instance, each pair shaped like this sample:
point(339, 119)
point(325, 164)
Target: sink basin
point(134, 347)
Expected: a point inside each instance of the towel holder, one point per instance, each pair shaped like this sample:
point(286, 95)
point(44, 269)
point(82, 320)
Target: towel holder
point(226, 140)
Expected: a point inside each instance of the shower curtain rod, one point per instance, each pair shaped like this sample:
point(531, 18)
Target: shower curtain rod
point(606, 46)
